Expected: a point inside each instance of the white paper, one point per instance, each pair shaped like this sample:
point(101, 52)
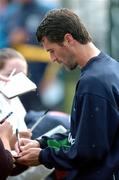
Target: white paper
point(19, 84)
point(13, 105)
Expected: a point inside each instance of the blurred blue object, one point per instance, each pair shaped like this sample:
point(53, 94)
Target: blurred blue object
point(51, 120)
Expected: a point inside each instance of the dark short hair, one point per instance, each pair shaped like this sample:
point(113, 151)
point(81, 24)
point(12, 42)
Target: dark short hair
point(58, 22)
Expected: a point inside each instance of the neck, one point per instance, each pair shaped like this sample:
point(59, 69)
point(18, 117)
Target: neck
point(87, 52)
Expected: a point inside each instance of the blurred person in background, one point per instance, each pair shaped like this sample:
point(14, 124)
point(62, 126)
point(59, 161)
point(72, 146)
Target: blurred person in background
point(91, 148)
point(19, 20)
point(11, 59)
point(7, 12)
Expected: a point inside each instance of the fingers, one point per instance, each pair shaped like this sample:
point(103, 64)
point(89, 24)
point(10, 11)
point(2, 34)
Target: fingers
point(17, 147)
point(6, 130)
point(6, 123)
point(19, 144)
point(24, 144)
point(29, 154)
point(26, 134)
point(24, 141)
point(7, 126)
point(29, 157)
point(27, 146)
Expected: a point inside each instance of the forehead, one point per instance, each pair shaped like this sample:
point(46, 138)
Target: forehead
point(48, 44)
point(16, 61)
point(46, 41)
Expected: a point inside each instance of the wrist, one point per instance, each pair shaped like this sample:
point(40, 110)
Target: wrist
point(36, 144)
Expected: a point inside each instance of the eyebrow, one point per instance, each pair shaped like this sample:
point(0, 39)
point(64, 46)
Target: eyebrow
point(49, 50)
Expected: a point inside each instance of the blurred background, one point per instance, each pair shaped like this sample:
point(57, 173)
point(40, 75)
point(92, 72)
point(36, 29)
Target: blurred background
point(18, 22)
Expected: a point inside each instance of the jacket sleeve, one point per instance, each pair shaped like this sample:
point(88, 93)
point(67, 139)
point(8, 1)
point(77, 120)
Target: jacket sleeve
point(93, 134)
point(18, 169)
point(6, 162)
point(44, 141)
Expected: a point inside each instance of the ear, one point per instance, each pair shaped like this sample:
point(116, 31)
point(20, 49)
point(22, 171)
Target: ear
point(68, 39)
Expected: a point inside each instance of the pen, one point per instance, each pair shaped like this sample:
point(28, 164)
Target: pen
point(17, 138)
point(39, 120)
point(10, 76)
point(3, 83)
point(7, 116)
point(12, 73)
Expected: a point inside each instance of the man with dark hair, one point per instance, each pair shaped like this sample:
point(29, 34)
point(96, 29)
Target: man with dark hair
point(91, 149)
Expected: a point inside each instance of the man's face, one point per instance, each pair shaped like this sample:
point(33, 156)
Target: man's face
point(60, 53)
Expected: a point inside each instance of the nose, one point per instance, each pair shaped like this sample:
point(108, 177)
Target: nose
point(53, 58)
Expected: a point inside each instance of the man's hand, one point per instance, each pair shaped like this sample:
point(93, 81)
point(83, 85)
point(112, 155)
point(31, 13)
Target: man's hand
point(5, 134)
point(25, 144)
point(29, 157)
point(6, 130)
point(23, 134)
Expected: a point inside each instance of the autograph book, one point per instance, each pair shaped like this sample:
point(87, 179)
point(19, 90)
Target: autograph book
point(19, 84)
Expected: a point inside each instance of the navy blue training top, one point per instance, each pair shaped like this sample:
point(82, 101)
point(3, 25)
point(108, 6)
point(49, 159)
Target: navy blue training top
point(92, 151)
